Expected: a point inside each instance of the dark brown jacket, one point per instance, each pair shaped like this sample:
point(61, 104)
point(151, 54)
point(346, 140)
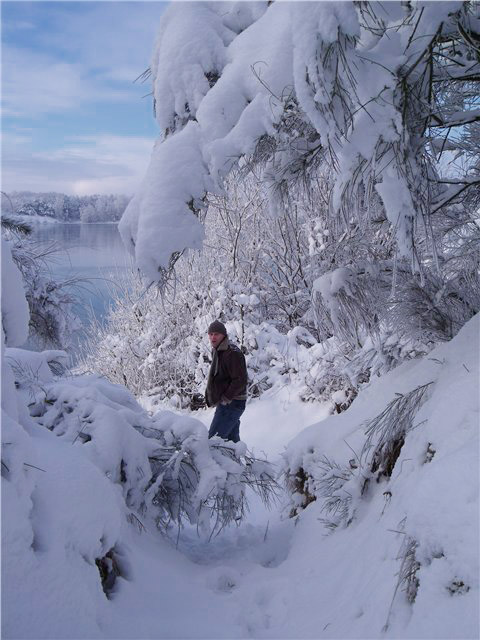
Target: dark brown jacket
point(228, 375)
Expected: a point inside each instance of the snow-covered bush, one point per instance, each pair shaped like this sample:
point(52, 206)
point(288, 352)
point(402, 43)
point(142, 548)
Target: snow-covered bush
point(386, 433)
point(196, 479)
point(336, 484)
point(168, 470)
point(59, 513)
point(156, 343)
point(151, 345)
point(331, 162)
point(83, 464)
point(394, 476)
point(15, 442)
point(53, 322)
point(158, 347)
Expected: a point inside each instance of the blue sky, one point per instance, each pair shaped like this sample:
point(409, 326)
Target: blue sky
point(72, 118)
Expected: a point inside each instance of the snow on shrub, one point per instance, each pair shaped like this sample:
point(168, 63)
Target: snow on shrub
point(167, 469)
point(77, 471)
point(53, 321)
point(17, 451)
point(402, 463)
point(386, 433)
point(59, 513)
point(158, 346)
point(230, 97)
point(196, 480)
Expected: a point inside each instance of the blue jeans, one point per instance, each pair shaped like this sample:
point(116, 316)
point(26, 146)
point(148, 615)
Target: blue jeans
point(226, 421)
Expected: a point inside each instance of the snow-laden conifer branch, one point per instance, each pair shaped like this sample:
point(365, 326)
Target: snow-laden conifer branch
point(386, 433)
point(13, 225)
point(168, 470)
point(339, 488)
point(202, 482)
point(286, 87)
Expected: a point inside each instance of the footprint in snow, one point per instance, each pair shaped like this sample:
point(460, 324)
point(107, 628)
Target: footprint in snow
point(223, 579)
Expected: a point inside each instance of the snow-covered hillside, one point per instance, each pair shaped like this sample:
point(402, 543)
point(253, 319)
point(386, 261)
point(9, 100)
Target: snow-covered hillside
point(378, 551)
point(402, 559)
point(304, 146)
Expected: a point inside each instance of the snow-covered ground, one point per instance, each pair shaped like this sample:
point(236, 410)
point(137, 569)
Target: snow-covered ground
point(274, 577)
point(269, 423)
point(387, 545)
point(271, 576)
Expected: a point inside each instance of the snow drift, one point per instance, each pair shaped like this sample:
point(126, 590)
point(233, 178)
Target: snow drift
point(384, 497)
point(394, 482)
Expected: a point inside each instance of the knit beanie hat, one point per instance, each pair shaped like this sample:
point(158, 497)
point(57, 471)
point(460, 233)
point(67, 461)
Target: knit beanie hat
point(217, 327)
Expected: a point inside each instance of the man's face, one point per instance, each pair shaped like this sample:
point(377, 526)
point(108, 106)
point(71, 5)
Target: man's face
point(215, 339)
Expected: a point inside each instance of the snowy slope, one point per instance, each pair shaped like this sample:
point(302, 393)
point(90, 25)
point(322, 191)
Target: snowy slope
point(305, 582)
point(272, 576)
point(429, 506)
point(290, 578)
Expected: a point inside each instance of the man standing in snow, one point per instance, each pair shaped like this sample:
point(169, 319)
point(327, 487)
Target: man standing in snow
point(227, 384)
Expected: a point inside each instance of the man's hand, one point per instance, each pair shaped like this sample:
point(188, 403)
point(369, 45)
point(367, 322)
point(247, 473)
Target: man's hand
point(225, 400)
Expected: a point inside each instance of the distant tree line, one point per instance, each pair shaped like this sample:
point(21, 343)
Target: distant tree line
point(92, 208)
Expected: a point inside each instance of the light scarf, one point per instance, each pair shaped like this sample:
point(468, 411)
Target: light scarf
point(223, 346)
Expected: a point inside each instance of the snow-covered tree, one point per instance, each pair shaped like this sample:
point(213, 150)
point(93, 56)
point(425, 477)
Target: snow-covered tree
point(51, 301)
point(91, 208)
point(332, 85)
point(363, 113)
point(88, 213)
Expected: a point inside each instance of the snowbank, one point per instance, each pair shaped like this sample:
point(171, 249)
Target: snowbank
point(15, 314)
point(402, 556)
point(84, 469)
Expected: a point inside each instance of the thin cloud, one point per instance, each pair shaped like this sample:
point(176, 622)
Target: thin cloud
point(100, 164)
point(19, 25)
point(35, 85)
point(105, 36)
point(77, 64)
point(90, 52)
